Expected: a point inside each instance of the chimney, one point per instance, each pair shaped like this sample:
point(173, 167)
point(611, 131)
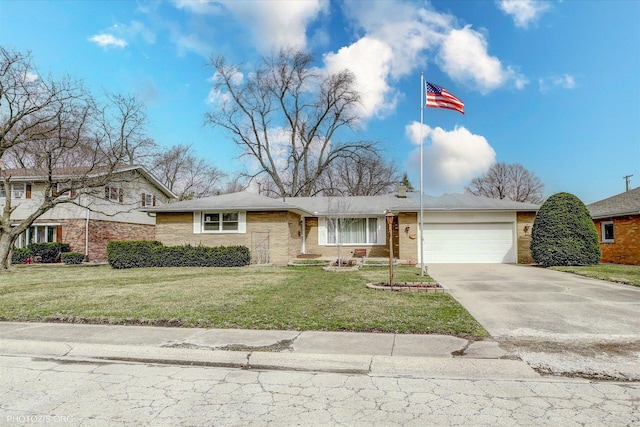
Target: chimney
point(402, 191)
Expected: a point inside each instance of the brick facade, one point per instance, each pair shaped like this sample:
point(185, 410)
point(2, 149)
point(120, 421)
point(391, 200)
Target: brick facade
point(276, 237)
point(272, 237)
point(524, 224)
point(100, 233)
point(626, 246)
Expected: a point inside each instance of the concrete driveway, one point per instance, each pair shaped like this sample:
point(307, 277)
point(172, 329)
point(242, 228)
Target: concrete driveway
point(516, 301)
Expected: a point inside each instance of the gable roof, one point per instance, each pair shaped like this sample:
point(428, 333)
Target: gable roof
point(41, 175)
point(351, 205)
point(627, 203)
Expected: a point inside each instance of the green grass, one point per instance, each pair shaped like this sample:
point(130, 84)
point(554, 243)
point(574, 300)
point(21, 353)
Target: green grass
point(250, 297)
point(629, 274)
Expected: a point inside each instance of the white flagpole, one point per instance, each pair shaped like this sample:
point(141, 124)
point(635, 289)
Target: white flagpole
point(421, 175)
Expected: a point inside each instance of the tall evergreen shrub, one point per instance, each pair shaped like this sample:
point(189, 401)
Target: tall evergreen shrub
point(563, 233)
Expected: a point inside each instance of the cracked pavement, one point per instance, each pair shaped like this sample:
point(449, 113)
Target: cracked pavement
point(37, 391)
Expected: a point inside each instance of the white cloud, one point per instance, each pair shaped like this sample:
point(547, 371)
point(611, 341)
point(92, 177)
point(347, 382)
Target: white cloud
point(452, 158)
point(565, 81)
point(370, 60)
point(274, 24)
point(280, 23)
point(464, 56)
point(523, 12)
point(107, 40)
point(398, 38)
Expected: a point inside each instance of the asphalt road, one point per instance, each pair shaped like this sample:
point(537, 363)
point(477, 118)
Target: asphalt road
point(48, 391)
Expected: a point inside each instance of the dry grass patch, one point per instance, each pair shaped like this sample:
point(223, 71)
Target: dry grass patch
point(249, 297)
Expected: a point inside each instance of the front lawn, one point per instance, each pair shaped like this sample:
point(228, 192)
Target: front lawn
point(248, 297)
point(629, 274)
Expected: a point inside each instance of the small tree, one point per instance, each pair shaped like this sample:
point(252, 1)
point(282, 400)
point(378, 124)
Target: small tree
point(564, 234)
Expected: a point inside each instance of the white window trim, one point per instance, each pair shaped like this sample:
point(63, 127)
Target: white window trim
point(22, 193)
point(602, 232)
point(382, 232)
point(198, 222)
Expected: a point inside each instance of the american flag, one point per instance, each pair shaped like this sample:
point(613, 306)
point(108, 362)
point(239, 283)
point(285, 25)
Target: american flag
point(438, 97)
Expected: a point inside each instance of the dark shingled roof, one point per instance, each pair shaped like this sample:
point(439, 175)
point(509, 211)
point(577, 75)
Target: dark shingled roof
point(353, 205)
point(627, 203)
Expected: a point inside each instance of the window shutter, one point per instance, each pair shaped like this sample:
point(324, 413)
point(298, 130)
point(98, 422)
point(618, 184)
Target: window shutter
point(154, 200)
point(73, 192)
point(59, 233)
point(28, 192)
point(106, 193)
point(54, 190)
point(144, 197)
point(120, 195)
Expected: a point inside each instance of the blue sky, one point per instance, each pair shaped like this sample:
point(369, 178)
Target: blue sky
point(553, 85)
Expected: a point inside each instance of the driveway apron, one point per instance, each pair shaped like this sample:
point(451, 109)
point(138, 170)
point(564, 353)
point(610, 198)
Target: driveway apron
point(517, 301)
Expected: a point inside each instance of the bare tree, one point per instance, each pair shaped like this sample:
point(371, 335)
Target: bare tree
point(287, 116)
point(185, 174)
point(363, 174)
point(51, 126)
point(508, 181)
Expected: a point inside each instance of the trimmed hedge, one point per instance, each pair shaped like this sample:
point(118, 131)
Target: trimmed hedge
point(20, 255)
point(48, 252)
point(563, 233)
point(143, 253)
point(72, 258)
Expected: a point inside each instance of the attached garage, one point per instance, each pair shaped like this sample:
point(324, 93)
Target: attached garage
point(463, 237)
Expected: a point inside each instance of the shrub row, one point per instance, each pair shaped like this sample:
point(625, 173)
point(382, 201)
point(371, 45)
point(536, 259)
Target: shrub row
point(141, 253)
point(72, 258)
point(45, 252)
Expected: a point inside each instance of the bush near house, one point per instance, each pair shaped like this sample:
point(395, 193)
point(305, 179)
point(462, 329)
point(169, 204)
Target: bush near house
point(564, 234)
point(20, 255)
point(72, 258)
point(134, 254)
point(48, 252)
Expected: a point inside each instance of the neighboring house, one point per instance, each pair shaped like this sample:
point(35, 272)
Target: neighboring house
point(617, 220)
point(457, 227)
point(87, 223)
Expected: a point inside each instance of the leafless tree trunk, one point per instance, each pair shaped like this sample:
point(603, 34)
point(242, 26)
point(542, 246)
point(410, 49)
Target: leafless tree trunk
point(51, 125)
point(508, 181)
point(288, 118)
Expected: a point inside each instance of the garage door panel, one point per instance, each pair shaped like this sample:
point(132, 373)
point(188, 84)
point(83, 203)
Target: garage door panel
point(469, 242)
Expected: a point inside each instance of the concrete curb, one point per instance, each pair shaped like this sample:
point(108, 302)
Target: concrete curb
point(406, 366)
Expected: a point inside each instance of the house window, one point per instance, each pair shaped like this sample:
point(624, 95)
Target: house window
point(56, 190)
point(18, 191)
point(148, 200)
point(357, 231)
point(607, 232)
point(220, 221)
point(114, 194)
point(37, 234)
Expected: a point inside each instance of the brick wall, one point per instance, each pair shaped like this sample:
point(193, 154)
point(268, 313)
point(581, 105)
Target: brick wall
point(100, 233)
point(626, 246)
point(524, 223)
point(281, 231)
point(408, 237)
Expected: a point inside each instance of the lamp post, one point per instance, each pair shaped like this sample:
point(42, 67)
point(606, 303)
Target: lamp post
point(389, 216)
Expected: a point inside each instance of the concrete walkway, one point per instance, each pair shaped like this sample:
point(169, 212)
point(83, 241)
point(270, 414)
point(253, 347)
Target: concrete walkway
point(432, 356)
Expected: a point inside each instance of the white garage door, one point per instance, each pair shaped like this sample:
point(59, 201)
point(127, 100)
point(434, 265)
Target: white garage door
point(469, 243)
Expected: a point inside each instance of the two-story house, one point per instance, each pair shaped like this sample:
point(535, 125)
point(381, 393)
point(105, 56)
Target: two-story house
point(92, 217)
